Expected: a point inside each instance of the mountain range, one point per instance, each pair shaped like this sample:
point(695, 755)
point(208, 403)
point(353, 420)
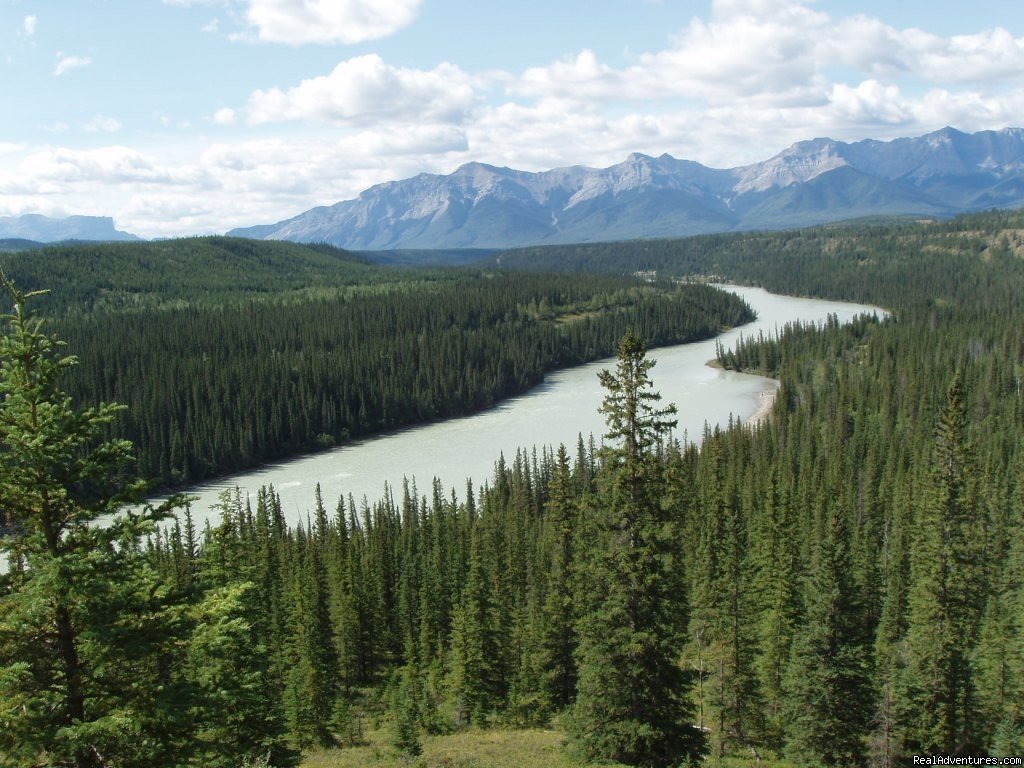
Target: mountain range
point(812, 182)
point(43, 229)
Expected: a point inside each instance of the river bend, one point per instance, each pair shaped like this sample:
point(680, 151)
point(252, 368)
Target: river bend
point(557, 411)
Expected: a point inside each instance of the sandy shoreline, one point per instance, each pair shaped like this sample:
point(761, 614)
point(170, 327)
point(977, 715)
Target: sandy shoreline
point(766, 400)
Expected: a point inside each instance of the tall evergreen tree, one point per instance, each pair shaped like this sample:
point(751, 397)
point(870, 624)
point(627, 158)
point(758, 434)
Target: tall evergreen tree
point(828, 705)
point(312, 674)
point(240, 714)
point(558, 634)
point(938, 695)
point(723, 621)
point(633, 697)
point(477, 681)
point(82, 618)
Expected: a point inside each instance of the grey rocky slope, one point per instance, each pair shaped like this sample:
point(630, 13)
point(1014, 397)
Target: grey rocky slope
point(811, 182)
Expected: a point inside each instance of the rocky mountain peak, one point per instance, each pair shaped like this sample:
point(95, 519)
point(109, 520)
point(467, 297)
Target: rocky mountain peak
point(810, 182)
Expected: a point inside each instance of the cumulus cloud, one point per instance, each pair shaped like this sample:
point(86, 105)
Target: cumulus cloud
point(752, 64)
point(364, 90)
point(732, 87)
point(66, 64)
point(29, 25)
point(106, 164)
point(988, 56)
point(778, 51)
point(329, 21)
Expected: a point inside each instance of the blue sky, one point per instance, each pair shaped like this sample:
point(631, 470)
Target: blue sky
point(194, 116)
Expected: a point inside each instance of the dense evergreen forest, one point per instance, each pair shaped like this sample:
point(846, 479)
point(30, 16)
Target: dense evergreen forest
point(840, 585)
point(230, 353)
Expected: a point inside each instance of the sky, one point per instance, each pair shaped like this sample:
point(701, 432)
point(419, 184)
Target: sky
point(180, 117)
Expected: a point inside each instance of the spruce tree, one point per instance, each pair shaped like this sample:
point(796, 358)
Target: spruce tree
point(937, 686)
point(312, 673)
point(828, 704)
point(633, 697)
point(82, 617)
point(558, 633)
point(404, 710)
point(476, 679)
point(240, 713)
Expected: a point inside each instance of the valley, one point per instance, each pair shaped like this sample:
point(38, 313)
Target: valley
point(424, 384)
point(884, 480)
point(562, 410)
point(284, 349)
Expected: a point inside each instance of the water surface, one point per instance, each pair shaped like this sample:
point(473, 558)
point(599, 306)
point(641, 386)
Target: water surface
point(558, 411)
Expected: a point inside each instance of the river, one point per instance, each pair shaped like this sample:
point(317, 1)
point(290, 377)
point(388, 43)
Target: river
point(558, 411)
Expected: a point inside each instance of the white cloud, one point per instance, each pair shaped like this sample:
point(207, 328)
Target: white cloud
point(106, 165)
point(329, 21)
point(364, 90)
point(754, 73)
point(103, 124)
point(211, 27)
point(870, 102)
point(29, 25)
point(778, 51)
point(224, 116)
point(985, 57)
point(732, 87)
point(222, 185)
point(66, 64)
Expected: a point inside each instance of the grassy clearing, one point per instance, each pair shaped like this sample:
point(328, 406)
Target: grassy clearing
point(493, 748)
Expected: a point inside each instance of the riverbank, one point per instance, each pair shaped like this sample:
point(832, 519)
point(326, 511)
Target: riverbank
point(765, 403)
point(559, 411)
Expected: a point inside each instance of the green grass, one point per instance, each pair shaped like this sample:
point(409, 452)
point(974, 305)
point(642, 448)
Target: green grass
point(493, 748)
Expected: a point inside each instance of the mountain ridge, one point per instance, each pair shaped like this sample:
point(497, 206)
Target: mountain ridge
point(811, 182)
point(45, 229)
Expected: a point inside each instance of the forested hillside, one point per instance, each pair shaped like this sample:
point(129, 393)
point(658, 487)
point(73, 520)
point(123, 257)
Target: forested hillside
point(852, 568)
point(863, 262)
point(229, 353)
point(841, 585)
point(200, 271)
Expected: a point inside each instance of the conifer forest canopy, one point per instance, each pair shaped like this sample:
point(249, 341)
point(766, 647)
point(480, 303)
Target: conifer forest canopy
point(840, 585)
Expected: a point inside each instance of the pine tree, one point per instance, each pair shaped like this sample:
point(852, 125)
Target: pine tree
point(310, 680)
point(828, 704)
point(558, 634)
point(633, 697)
point(240, 715)
point(999, 656)
point(477, 682)
point(723, 620)
point(82, 617)
point(937, 689)
point(406, 735)
point(777, 574)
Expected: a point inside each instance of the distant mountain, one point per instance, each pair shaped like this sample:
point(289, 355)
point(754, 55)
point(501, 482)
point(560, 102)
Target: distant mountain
point(44, 229)
point(811, 182)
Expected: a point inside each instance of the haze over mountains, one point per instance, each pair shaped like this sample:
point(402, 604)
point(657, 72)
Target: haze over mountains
point(44, 229)
point(812, 182)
